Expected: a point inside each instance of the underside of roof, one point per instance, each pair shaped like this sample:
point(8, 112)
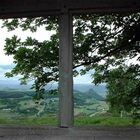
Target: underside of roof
point(33, 8)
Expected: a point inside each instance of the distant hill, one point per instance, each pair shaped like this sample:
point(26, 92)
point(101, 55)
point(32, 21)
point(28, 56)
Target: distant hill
point(5, 94)
point(88, 95)
point(92, 94)
point(100, 89)
point(10, 85)
point(9, 94)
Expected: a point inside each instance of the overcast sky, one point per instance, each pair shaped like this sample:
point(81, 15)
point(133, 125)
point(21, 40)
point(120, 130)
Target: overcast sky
point(6, 62)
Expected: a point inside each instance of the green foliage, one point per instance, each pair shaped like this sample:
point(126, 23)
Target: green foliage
point(28, 112)
point(123, 89)
point(34, 60)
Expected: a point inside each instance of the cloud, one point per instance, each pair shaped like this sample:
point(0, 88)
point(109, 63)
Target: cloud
point(4, 69)
point(84, 79)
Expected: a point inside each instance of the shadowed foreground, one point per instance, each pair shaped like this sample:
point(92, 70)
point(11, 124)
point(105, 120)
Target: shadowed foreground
point(55, 133)
point(75, 133)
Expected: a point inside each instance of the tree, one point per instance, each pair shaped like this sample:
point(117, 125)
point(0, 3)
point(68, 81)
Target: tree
point(34, 60)
point(100, 42)
point(122, 83)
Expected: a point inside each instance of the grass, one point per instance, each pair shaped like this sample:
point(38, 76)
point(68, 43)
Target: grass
point(104, 121)
point(31, 121)
point(38, 121)
point(79, 121)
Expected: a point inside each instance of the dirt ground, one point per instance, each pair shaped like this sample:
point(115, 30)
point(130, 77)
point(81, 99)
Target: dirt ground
point(74, 133)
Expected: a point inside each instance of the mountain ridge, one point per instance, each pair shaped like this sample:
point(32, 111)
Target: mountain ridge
point(100, 89)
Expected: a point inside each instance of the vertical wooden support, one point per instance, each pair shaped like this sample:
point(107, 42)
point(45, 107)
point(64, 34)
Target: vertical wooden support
point(66, 115)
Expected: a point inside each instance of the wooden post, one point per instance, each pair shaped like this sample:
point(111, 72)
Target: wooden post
point(66, 115)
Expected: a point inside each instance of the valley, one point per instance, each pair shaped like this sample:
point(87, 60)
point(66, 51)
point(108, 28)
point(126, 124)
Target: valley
point(17, 104)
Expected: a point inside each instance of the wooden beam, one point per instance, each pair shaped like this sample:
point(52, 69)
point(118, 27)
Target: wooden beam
point(34, 8)
point(28, 8)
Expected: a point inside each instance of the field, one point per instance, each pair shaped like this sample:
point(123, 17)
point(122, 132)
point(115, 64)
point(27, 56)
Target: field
point(19, 108)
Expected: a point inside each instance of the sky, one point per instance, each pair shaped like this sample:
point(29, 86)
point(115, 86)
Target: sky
point(6, 62)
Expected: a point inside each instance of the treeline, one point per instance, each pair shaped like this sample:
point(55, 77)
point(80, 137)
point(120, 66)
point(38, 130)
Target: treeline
point(15, 94)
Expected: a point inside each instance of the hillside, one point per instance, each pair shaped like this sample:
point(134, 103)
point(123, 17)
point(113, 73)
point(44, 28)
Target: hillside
point(92, 94)
point(13, 93)
point(9, 85)
point(21, 103)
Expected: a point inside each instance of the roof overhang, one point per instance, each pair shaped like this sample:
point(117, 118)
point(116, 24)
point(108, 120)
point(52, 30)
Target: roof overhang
point(33, 8)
